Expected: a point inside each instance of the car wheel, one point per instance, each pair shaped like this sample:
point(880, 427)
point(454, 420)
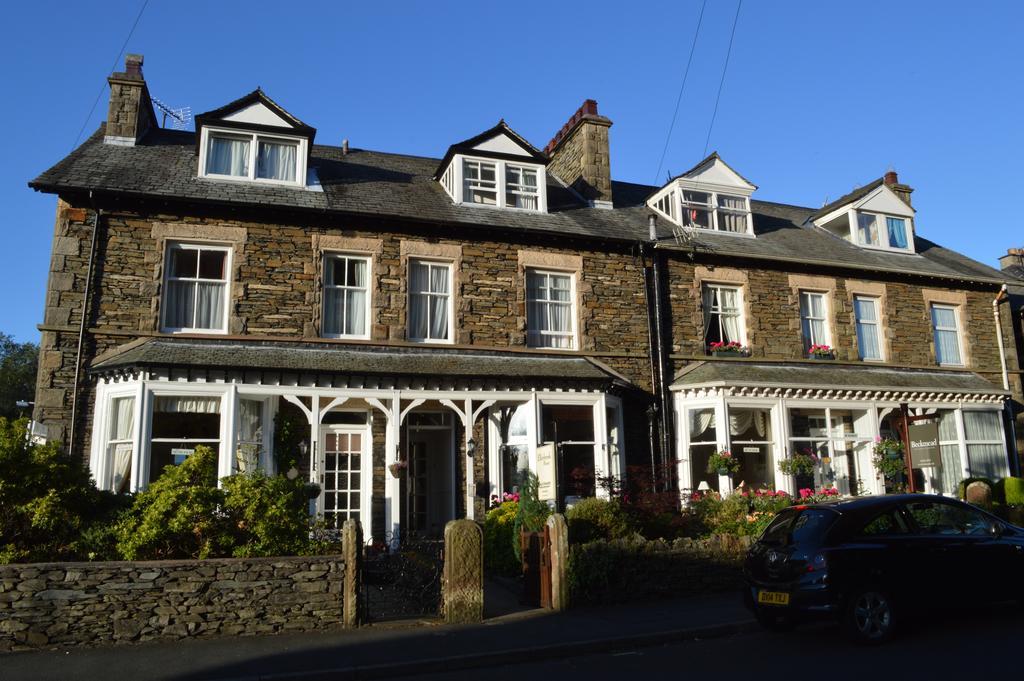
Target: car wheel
point(870, 616)
point(773, 620)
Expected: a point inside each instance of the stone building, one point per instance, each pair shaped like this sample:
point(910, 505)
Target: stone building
point(422, 329)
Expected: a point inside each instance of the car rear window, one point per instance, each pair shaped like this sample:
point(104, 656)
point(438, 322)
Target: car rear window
point(799, 526)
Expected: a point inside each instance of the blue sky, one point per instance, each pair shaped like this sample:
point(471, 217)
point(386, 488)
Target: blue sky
point(819, 97)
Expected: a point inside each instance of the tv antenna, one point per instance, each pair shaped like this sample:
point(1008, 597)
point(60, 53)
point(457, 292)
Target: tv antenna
point(180, 118)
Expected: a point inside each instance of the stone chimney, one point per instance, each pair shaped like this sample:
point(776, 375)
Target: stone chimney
point(131, 112)
point(580, 157)
point(1014, 256)
point(892, 181)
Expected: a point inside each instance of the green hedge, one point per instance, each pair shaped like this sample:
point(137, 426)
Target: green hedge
point(499, 540)
point(1013, 491)
point(593, 518)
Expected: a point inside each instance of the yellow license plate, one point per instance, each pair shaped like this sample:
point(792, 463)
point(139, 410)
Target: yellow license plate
point(773, 598)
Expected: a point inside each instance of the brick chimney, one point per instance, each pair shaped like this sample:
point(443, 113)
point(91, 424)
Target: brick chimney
point(892, 181)
point(580, 156)
point(131, 112)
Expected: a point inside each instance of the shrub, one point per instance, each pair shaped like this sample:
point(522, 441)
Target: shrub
point(269, 515)
point(740, 514)
point(500, 540)
point(49, 507)
point(594, 518)
point(180, 515)
point(531, 512)
point(1013, 491)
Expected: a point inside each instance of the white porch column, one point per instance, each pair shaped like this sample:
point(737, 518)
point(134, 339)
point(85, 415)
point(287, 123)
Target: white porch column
point(229, 433)
point(602, 461)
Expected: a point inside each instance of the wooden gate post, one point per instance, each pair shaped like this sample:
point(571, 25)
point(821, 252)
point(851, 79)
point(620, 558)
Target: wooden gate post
point(462, 590)
point(558, 531)
point(352, 552)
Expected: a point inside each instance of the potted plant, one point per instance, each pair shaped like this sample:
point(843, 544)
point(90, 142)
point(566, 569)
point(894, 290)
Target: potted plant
point(799, 463)
point(730, 349)
point(821, 352)
point(890, 462)
point(398, 468)
point(723, 463)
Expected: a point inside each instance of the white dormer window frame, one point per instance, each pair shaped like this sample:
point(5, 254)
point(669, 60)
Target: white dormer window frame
point(509, 186)
point(254, 140)
point(883, 242)
point(719, 207)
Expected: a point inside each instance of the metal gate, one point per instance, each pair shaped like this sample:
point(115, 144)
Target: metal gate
point(403, 583)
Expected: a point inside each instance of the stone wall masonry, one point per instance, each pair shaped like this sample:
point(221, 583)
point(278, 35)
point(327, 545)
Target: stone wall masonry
point(69, 604)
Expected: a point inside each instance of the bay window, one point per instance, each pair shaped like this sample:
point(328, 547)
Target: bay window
point(250, 435)
point(179, 425)
point(550, 310)
point(196, 288)
point(430, 301)
point(703, 443)
point(986, 446)
point(120, 447)
point(346, 296)
point(750, 442)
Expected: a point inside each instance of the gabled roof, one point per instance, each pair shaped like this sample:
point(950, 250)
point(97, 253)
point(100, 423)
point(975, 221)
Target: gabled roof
point(219, 116)
point(471, 147)
point(855, 195)
point(711, 158)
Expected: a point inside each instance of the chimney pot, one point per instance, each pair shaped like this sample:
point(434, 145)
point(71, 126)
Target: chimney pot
point(344, 147)
point(133, 64)
point(891, 178)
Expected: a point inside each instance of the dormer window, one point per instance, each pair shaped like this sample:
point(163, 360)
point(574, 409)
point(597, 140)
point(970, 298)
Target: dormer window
point(874, 216)
point(711, 196)
point(497, 169)
point(253, 139)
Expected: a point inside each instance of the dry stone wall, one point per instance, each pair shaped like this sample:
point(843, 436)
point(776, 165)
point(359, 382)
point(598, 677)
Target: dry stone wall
point(67, 604)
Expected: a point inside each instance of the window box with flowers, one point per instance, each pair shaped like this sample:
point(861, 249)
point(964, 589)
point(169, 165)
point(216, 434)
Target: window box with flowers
point(822, 352)
point(723, 463)
point(730, 349)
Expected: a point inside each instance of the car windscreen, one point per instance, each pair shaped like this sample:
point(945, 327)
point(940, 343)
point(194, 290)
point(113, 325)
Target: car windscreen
point(799, 526)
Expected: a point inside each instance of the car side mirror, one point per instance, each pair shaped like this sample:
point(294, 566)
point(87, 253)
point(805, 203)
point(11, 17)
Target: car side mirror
point(996, 530)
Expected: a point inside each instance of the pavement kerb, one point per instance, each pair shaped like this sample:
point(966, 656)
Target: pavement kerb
point(510, 655)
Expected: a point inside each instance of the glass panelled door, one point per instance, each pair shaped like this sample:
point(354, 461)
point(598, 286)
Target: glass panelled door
point(341, 482)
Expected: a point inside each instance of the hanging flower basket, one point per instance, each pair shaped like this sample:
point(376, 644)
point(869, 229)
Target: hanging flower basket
point(799, 463)
point(888, 459)
point(398, 468)
point(723, 463)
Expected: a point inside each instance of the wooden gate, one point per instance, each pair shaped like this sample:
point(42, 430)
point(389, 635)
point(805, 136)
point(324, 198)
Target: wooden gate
point(536, 552)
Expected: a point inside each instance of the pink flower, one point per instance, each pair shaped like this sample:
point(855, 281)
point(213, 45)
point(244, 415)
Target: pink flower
point(805, 492)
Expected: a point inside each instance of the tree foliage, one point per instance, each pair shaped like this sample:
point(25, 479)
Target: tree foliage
point(18, 362)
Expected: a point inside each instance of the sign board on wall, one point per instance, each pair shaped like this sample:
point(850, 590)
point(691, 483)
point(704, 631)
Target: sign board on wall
point(924, 445)
point(546, 472)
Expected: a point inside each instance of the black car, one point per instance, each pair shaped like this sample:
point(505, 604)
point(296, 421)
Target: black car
point(871, 561)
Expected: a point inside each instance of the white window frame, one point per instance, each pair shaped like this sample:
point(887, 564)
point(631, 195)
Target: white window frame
point(877, 323)
point(165, 326)
point(965, 450)
point(225, 435)
point(301, 152)
point(739, 311)
point(808, 342)
point(535, 332)
point(327, 258)
point(672, 203)
point(365, 470)
point(883, 230)
point(451, 299)
point(956, 330)
point(454, 182)
point(519, 188)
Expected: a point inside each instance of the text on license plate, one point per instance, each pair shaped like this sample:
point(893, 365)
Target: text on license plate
point(773, 597)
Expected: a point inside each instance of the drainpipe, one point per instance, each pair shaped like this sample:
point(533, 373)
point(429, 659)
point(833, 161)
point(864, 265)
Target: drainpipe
point(1001, 298)
point(81, 324)
point(665, 405)
point(652, 411)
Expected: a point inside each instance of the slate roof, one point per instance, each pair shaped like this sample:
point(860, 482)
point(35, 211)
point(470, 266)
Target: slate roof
point(342, 359)
point(855, 195)
point(827, 374)
point(371, 183)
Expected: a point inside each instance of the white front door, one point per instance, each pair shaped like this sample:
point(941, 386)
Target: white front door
point(344, 462)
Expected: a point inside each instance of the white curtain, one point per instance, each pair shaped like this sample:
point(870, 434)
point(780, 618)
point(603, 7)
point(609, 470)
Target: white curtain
point(868, 226)
point(276, 161)
point(187, 404)
point(250, 435)
point(708, 302)
point(740, 421)
point(867, 328)
point(988, 459)
point(121, 429)
point(729, 305)
point(355, 298)
point(210, 304)
point(946, 346)
point(700, 421)
point(731, 222)
point(813, 313)
point(439, 304)
point(180, 304)
point(418, 274)
point(949, 476)
point(227, 156)
point(333, 302)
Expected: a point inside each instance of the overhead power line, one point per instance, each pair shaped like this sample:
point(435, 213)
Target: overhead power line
point(725, 68)
point(117, 59)
point(682, 87)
